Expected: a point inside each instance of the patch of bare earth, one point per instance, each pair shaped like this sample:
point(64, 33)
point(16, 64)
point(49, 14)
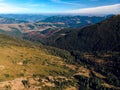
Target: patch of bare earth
point(82, 71)
point(13, 84)
point(98, 75)
point(71, 88)
point(73, 67)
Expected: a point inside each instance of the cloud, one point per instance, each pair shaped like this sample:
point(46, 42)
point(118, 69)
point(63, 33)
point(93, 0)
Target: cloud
point(109, 9)
point(20, 8)
point(69, 3)
point(8, 8)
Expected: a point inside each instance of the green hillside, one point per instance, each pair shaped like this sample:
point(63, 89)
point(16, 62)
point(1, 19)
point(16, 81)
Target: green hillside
point(104, 36)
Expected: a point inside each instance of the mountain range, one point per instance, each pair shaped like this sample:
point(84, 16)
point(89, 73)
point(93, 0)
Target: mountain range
point(4, 20)
point(25, 17)
point(18, 25)
point(75, 21)
point(63, 54)
point(101, 36)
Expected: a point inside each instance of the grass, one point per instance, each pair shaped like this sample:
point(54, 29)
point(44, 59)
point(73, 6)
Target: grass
point(19, 58)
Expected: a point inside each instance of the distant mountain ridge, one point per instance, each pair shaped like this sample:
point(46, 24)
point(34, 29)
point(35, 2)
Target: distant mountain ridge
point(4, 20)
point(36, 31)
point(25, 17)
point(102, 36)
point(75, 21)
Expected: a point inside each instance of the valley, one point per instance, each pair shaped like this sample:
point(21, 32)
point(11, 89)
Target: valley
point(60, 53)
point(40, 29)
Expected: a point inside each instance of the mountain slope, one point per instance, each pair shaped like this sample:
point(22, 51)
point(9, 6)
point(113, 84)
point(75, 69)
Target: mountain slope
point(26, 65)
point(97, 48)
point(99, 37)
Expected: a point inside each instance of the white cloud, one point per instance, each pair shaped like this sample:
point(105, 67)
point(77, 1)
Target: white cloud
point(21, 8)
point(7, 8)
point(109, 9)
point(39, 8)
point(68, 3)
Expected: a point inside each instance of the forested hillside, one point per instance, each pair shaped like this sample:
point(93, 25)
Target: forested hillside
point(104, 36)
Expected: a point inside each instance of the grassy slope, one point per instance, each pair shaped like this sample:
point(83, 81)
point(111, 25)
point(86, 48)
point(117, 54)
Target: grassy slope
point(21, 58)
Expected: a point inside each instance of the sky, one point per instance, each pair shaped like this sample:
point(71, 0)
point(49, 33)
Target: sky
point(60, 6)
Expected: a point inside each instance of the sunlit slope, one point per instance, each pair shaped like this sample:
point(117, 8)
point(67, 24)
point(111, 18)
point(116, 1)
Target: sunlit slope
point(19, 58)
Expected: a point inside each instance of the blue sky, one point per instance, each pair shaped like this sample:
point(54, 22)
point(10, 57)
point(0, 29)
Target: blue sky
point(60, 6)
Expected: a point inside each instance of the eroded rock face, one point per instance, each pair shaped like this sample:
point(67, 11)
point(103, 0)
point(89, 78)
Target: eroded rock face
point(2, 67)
point(20, 84)
point(32, 83)
point(15, 84)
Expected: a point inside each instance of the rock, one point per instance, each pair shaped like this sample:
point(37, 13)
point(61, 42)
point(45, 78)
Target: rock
point(50, 78)
point(50, 84)
point(33, 81)
point(14, 84)
point(20, 63)
point(2, 67)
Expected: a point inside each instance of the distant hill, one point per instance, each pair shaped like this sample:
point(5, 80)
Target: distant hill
point(25, 17)
point(27, 29)
point(4, 20)
point(38, 36)
point(35, 28)
point(102, 36)
point(56, 23)
point(75, 21)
